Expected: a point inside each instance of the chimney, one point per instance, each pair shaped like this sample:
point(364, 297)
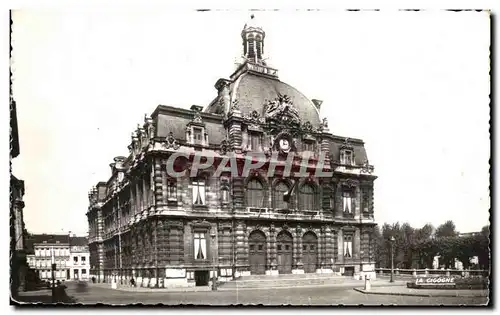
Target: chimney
point(317, 103)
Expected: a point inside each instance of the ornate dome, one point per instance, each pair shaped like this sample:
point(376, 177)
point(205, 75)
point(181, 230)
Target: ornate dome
point(254, 91)
point(255, 87)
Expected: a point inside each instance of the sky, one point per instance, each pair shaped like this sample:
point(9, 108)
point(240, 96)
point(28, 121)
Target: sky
point(413, 85)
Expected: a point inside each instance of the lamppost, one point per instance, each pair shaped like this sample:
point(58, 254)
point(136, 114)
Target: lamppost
point(392, 240)
point(214, 254)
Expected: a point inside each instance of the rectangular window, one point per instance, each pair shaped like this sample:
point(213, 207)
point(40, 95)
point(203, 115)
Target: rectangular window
point(347, 201)
point(348, 157)
point(348, 246)
point(200, 246)
point(84, 271)
point(171, 189)
point(308, 146)
point(366, 199)
point(83, 258)
point(198, 193)
point(198, 135)
point(253, 141)
point(75, 259)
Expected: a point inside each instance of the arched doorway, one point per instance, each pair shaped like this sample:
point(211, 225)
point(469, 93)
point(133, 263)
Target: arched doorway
point(284, 245)
point(257, 253)
point(310, 252)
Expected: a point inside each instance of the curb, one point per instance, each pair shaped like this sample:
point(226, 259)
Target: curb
point(347, 286)
point(417, 294)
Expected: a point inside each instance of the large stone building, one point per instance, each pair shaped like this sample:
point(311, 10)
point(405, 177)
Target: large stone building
point(176, 231)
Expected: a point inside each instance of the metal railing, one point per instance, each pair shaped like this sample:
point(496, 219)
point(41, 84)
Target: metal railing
point(431, 272)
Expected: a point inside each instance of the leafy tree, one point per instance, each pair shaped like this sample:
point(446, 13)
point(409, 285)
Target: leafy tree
point(447, 229)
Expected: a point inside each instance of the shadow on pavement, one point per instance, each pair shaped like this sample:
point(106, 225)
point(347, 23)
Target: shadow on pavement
point(60, 297)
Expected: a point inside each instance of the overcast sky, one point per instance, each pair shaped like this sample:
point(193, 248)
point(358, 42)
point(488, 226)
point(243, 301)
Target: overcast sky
point(413, 85)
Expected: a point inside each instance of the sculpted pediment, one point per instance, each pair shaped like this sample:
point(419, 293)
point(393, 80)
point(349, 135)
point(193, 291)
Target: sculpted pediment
point(281, 111)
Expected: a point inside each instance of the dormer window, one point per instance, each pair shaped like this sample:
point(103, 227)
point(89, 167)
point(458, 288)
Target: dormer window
point(308, 146)
point(254, 141)
point(347, 157)
point(197, 135)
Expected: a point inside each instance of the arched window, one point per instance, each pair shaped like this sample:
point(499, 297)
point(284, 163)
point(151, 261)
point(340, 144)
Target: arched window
point(255, 194)
point(279, 190)
point(306, 197)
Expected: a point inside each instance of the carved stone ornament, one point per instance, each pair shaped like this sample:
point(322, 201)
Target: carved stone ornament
point(225, 147)
point(197, 117)
point(255, 117)
point(299, 228)
point(272, 228)
point(171, 142)
point(307, 126)
point(324, 123)
point(234, 106)
point(346, 145)
point(285, 227)
point(349, 183)
point(367, 168)
point(282, 111)
point(200, 224)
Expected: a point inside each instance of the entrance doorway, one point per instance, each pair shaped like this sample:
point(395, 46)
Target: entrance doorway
point(284, 246)
point(310, 252)
point(257, 253)
point(349, 271)
point(68, 276)
point(201, 277)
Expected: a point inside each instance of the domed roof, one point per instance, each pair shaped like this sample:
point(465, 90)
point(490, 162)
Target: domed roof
point(253, 91)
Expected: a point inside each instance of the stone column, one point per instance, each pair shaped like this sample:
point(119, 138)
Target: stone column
point(241, 250)
point(338, 201)
point(158, 185)
point(357, 202)
point(272, 250)
point(298, 240)
point(340, 246)
point(235, 134)
point(356, 245)
point(329, 253)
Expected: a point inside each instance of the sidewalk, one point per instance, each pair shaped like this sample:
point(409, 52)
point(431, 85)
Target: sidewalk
point(150, 290)
point(404, 291)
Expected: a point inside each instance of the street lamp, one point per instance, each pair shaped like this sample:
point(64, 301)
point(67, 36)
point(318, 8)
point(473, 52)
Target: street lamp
point(392, 240)
point(214, 278)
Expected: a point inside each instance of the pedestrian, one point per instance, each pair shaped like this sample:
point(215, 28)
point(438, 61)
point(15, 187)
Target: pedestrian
point(132, 282)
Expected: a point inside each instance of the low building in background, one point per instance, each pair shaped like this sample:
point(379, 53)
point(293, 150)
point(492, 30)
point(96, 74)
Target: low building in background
point(46, 249)
point(79, 261)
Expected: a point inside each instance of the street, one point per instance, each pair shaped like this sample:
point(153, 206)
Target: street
point(292, 296)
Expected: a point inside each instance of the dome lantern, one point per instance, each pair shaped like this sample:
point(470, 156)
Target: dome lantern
point(253, 41)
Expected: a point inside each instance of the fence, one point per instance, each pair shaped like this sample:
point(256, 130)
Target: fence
point(432, 272)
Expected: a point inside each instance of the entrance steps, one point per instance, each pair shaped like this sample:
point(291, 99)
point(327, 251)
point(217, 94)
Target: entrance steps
point(285, 280)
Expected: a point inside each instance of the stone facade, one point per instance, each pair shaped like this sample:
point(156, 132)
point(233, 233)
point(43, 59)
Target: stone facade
point(166, 231)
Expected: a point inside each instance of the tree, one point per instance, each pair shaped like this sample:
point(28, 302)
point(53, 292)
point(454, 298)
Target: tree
point(447, 229)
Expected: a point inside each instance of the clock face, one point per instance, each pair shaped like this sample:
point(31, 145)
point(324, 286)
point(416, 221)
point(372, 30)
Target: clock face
point(284, 145)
